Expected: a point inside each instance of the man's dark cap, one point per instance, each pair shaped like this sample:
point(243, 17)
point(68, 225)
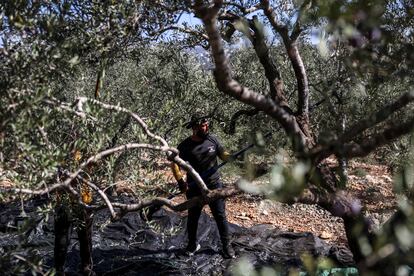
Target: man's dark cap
point(196, 119)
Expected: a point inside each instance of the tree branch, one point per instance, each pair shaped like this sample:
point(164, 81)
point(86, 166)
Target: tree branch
point(354, 150)
point(159, 201)
point(183, 30)
point(228, 85)
point(236, 116)
point(172, 153)
point(277, 26)
point(100, 155)
point(100, 192)
point(242, 8)
point(65, 107)
point(194, 174)
point(297, 64)
point(368, 145)
point(297, 26)
point(82, 100)
point(262, 51)
point(49, 189)
point(378, 117)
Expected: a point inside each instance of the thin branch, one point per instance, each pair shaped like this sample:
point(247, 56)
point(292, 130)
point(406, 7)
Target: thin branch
point(71, 176)
point(44, 137)
point(323, 151)
point(115, 138)
point(183, 30)
point(64, 107)
point(100, 155)
point(82, 100)
point(378, 117)
point(49, 189)
point(297, 29)
point(383, 138)
point(36, 268)
point(242, 8)
point(159, 201)
point(237, 115)
point(100, 192)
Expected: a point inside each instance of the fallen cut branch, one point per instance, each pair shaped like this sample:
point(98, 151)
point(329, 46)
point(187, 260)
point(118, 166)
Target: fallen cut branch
point(160, 201)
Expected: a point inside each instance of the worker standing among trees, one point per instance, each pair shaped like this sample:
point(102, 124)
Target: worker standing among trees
point(201, 150)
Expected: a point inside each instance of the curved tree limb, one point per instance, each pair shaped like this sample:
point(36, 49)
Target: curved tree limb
point(100, 192)
point(228, 85)
point(378, 117)
point(237, 115)
point(380, 139)
point(82, 100)
point(243, 9)
point(100, 155)
point(160, 201)
point(290, 44)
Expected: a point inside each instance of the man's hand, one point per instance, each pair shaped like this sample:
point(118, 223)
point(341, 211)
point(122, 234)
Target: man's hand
point(182, 185)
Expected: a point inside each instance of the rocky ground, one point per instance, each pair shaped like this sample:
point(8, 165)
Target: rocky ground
point(372, 184)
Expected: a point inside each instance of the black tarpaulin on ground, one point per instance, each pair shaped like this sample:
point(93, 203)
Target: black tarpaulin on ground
point(130, 247)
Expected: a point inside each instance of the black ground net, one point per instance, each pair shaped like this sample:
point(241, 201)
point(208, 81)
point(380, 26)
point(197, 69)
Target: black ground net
point(132, 247)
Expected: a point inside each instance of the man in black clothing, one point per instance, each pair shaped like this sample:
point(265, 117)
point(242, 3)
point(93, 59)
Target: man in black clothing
point(201, 150)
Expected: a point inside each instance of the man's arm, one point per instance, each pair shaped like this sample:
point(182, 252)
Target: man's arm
point(182, 184)
point(222, 153)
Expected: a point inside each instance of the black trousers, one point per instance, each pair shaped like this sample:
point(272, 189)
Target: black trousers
point(218, 209)
point(63, 227)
